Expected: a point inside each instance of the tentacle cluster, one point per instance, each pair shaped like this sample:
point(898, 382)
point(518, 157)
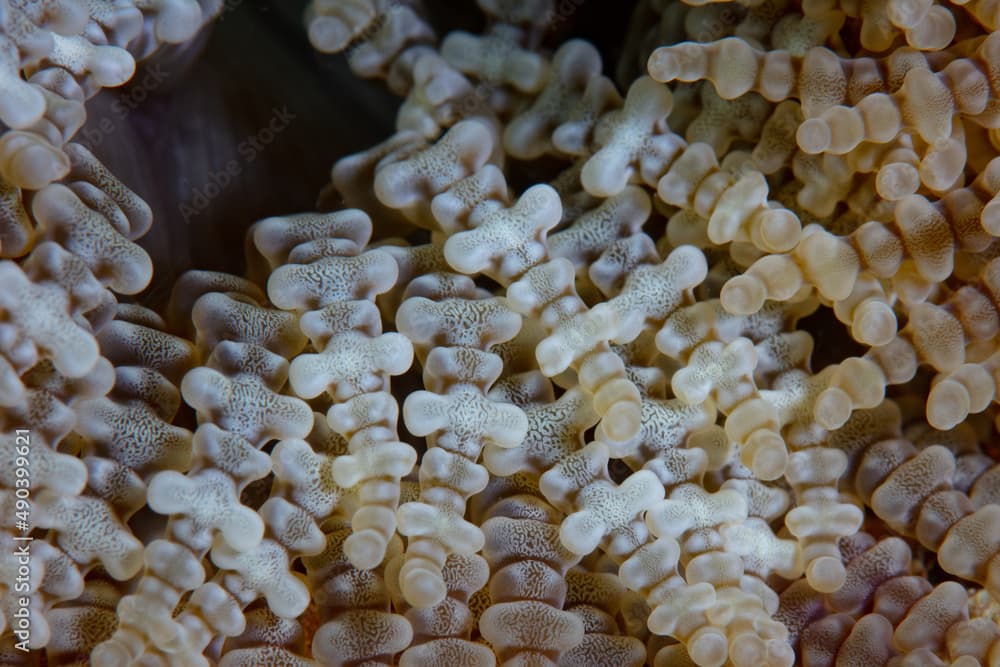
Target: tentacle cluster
point(696, 368)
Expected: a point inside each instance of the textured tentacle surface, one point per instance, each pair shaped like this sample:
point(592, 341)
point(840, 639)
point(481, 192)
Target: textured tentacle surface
point(706, 355)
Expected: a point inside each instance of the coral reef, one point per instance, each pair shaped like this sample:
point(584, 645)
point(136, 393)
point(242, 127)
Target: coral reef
point(696, 365)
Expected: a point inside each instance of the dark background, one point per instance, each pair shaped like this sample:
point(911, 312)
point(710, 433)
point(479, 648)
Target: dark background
point(186, 113)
